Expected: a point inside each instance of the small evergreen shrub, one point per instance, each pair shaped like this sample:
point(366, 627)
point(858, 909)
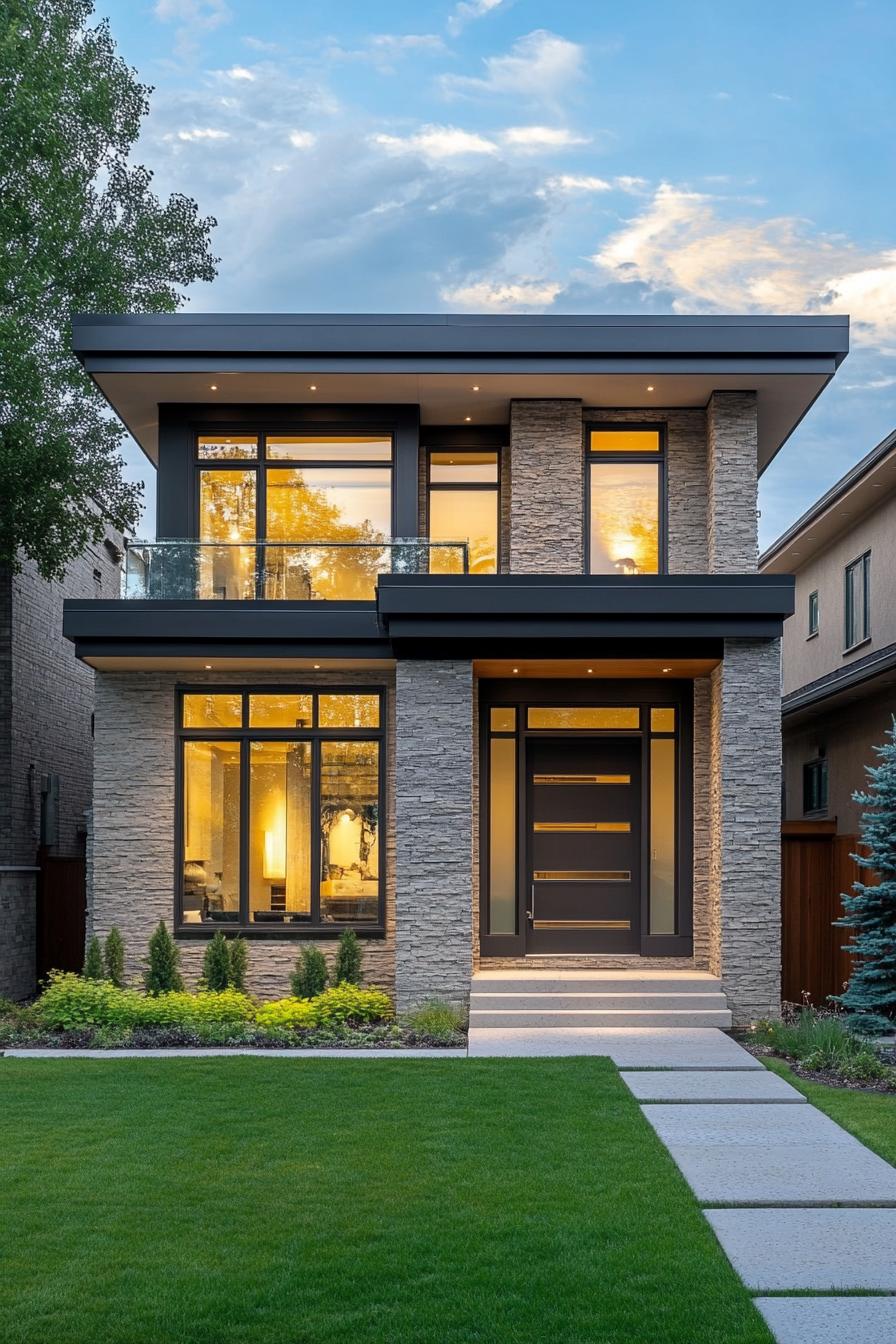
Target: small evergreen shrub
point(310, 975)
point(216, 964)
point(162, 973)
point(436, 1022)
point(239, 963)
point(93, 962)
point(347, 967)
point(113, 957)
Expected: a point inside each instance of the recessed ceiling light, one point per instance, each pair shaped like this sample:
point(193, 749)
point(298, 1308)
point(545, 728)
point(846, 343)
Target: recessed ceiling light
point(650, 387)
point(516, 669)
point(214, 387)
point(667, 669)
point(591, 669)
point(317, 667)
point(313, 387)
point(468, 417)
point(475, 387)
point(208, 667)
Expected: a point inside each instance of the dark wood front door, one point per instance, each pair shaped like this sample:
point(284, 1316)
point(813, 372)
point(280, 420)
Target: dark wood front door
point(583, 845)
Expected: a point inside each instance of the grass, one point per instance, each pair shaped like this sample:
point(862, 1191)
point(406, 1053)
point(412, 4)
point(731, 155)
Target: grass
point(870, 1116)
point(347, 1202)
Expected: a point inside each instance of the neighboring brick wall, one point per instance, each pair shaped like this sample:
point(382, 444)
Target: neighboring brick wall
point(546, 487)
point(17, 933)
point(745, 805)
point(132, 849)
point(685, 474)
point(434, 830)
point(732, 430)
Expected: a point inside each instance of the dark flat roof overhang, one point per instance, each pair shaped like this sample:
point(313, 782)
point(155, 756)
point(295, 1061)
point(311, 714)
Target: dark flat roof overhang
point(431, 360)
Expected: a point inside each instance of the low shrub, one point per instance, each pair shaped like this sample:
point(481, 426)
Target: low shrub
point(436, 1022)
point(287, 1013)
point(178, 1008)
point(310, 975)
point(93, 962)
point(70, 1002)
point(824, 1042)
point(350, 1003)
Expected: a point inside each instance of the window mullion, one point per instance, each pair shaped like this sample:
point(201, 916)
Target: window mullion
point(315, 835)
point(245, 758)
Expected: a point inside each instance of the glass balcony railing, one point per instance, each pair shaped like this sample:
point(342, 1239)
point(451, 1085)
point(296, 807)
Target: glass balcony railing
point(344, 571)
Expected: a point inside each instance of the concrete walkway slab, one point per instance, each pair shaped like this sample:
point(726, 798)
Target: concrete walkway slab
point(736, 1125)
point(786, 1173)
point(628, 1047)
point(729, 1085)
point(830, 1320)
point(825, 1249)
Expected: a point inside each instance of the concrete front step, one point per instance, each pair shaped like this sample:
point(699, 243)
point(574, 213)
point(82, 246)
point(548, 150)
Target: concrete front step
point(594, 982)
point(552, 1001)
point(621, 1017)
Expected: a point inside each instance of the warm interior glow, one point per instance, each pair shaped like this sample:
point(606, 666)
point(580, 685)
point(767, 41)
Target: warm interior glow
point(464, 515)
point(624, 518)
point(274, 864)
point(625, 440)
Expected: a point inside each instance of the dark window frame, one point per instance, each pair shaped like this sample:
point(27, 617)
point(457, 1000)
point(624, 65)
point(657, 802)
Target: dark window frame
point(813, 614)
point(484, 486)
point(660, 458)
point(863, 561)
point(314, 928)
point(815, 787)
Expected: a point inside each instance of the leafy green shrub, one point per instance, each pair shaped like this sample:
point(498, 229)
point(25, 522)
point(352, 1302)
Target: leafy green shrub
point(178, 1008)
point(93, 962)
point(72, 1001)
point(239, 963)
point(162, 974)
point(310, 975)
point(113, 956)
point(350, 1003)
point(436, 1021)
point(216, 964)
point(865, 1067)
point(809, 1032)
point(287, 1013)
point(347, 967)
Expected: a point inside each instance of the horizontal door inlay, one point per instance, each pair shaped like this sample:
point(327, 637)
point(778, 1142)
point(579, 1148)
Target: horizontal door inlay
point(547, 875)
point(581, 924)
point(590, 826)
point(581, 779)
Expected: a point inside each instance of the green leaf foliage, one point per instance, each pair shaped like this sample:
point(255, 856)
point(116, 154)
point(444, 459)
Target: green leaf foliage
point(871, 910)
point(310, 976)
point(93, 962)
point(216, 963)
point(113, 956)
point(81, 231)
point(347, 968)
point(239, 963)
point(162, 973)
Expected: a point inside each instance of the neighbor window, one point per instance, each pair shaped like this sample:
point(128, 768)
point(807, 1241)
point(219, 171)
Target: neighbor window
point(815, 786)
point(858, 601)
point(463, 507)
point(280, 809)
point(813, 613)
point(323, 503)
point(624, 498)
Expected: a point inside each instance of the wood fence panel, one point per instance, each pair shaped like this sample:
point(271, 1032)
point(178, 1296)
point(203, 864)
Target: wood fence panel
point(815, 868)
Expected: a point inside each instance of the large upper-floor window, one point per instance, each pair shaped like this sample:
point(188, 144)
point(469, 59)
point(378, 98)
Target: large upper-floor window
point(625, 493)
point(857, 608)
point(321, 504)
point(464, 506)
point(280, 795)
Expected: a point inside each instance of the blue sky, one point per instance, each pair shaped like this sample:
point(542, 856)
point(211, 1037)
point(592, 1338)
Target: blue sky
point(520, 156)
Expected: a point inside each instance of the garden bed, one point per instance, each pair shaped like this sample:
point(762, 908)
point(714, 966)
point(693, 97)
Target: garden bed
point(821, 1046)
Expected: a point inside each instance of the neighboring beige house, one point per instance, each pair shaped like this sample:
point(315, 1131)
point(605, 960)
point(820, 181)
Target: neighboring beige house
point(454, 637)
point(839, 648)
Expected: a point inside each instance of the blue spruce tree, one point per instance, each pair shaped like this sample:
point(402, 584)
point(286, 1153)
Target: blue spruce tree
point(871, 911)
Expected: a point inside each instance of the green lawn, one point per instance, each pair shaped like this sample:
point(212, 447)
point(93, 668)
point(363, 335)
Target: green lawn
point(309, 1202)
point(871, 1116)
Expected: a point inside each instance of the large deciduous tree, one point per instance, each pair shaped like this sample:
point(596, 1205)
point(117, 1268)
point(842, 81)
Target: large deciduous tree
point(81, 231)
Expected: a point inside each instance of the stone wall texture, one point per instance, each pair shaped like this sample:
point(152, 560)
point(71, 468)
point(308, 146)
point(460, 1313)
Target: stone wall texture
point(17, 933)
point(731, 431)
point(745, 810)
point(434, 830)
point(132, 848)
point(546, 487)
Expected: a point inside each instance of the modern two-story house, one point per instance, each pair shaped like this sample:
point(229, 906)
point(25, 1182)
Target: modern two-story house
point(454, 636)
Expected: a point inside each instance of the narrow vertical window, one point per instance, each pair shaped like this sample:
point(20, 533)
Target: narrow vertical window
point(815, 786)
point(662, 835)
point(227, 527)
point(813, 613)
point(625, 490)
point(279, 832)
point(211, 832)
point(464, 507)
point(858, 601)
point(502, 828)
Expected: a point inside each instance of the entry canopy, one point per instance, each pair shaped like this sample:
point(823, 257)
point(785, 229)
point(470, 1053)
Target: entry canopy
point(458, 369)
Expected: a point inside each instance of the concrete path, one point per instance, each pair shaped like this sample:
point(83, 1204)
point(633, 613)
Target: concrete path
point(830, 1320)
point(722, 1085)
point(628, 1047)
point(821, 1249)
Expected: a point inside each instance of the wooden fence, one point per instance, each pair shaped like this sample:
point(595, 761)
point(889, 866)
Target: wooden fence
point(816, 868)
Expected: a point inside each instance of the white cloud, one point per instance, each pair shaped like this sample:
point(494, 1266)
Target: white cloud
point(192, 18)
point(540, 66)
point(680, 244)
point(636, 186)
point(468, 10)
point(437, 142)
point(398, 43)
point(871, 385)
point(302, 139)
point(240, 72)
point(199, 133)
point(541, 137)
point(565, 184)
point(509, 296)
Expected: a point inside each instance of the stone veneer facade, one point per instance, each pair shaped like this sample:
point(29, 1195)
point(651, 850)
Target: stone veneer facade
point(432, 806)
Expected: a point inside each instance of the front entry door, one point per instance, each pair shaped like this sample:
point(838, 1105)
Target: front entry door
point(583, 845)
